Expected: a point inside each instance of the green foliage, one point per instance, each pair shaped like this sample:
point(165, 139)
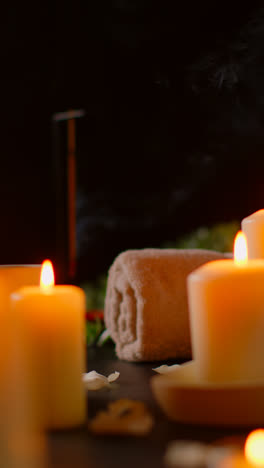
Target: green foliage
point(93, 331)
point(219, 237)
point(95, 296)
point(95, 293)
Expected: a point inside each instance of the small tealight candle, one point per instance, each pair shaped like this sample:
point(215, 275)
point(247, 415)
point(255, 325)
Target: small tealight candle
point(226, 303)
point(253, 456)
point(51, 320)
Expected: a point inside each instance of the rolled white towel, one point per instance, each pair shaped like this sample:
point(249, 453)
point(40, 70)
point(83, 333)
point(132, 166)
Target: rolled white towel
point(146, 310)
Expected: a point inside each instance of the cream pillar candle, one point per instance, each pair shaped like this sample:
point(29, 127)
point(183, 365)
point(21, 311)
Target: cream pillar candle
point(19, 437)
point(226, 305)
point(21, 445)
point(253, 228)
point(52, 324)
point(13, 277)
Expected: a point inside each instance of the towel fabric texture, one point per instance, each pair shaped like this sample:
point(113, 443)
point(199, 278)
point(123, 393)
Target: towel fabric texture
point(146, 309)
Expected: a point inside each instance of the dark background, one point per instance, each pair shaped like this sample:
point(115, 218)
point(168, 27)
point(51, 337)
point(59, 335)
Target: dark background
point(173, 134)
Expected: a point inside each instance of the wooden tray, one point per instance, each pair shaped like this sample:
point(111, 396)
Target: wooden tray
point(186, 399)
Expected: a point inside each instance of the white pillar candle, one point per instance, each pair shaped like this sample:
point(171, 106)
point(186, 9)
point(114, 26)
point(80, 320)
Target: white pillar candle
point(52, 324)
point(226, 304)
point(253, 228)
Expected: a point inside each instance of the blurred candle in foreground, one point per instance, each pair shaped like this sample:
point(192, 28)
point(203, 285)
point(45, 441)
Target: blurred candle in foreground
point(254, 448)
point(253, 455)
point(13, 277)
point(51, 319)
point(22, 445)
point(253, 227)
point(226, 302)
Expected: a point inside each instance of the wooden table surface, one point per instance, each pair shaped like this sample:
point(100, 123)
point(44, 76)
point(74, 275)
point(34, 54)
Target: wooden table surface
point(81, 449)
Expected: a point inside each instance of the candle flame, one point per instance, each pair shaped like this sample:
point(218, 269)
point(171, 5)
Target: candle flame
point(46, 275)
point(254, 448)
point(240, 249)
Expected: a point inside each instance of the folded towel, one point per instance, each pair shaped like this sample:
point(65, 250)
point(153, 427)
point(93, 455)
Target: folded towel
point(146, 309)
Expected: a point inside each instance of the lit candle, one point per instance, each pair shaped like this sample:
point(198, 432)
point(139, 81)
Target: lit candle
point(51, 320)
point(253, 227)
point(253, 455)
point(226, 304)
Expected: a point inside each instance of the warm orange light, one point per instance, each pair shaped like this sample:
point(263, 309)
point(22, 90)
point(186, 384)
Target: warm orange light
point(254, 448)
point(46, 275)
point(240, 249)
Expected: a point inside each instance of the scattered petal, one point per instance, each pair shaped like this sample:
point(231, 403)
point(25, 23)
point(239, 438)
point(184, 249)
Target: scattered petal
point(196, 454)
point(105, 335)
point(94, 381)
point(215, 455)
point(166, 369)
point(186, 454)
point(123, 417)
point(112, 377)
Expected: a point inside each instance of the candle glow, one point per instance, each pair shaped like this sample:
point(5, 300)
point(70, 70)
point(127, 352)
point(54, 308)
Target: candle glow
point(240, 249)
point(47, 275)
point(254, 448)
